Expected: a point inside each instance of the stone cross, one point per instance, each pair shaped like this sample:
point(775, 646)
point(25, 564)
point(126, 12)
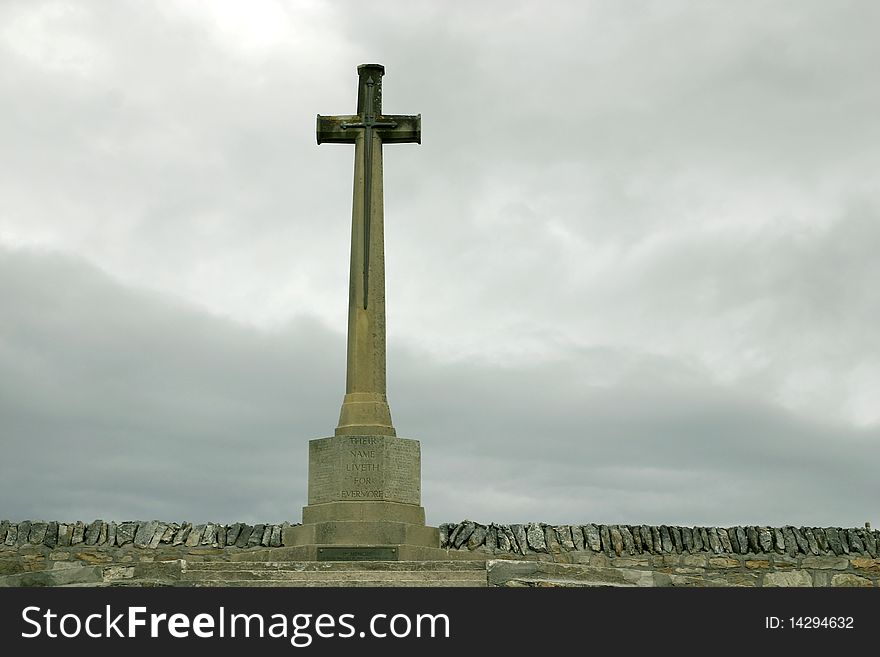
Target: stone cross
point(365, 408)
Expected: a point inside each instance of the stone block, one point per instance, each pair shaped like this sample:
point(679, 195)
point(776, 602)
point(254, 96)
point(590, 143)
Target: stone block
point(788, 578)
point(848, 579)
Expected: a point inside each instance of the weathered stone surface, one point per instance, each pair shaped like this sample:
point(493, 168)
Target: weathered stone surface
point(697, 539)
point(687, 538)
point(477, 537)
point(592, 537)
point(37, 533)
point(637, 538)
point(629, 544)
point(144, 533)
point(677, 544)
point(243, 536)
point(502, 540)
point(778, 540)
point(870, 543)
point(848, 579)
point(519, 533)
point(647, 538)
point(724, 562)
point(714, 541)
point(274, 539)
point(577, 536)
point(111, 534)
point(812, 544)
point(665, 539)
point(11, 534)
point(759, 562)
point(563, 535)
point(168, 534)
point(801, 541)
point(444, 530)
point(742, 540)
point(605, 534)
point(195, 536)
point(535, 536)
point(788, 578)
point(866, 565)
point(724, 537)
point(24, 530)
point(93, 532)
point(182, 534)
point(616, 540)
point(855, 541)
point(158, 533)
point(125, 533)
point(256, 536)
point(825, 563)
point(491, 540)
point(4, 527)
point(553, 546)
point(821, 539)
point(463, 533)
point(765, 539)
point(656, 540)
point(209, 536)
point(834, 540)
point(752, 539)
point(50, 540)
point(102, 536)
point(264, 541)
point(791, 547)
point(78, 533)
point(704, 537)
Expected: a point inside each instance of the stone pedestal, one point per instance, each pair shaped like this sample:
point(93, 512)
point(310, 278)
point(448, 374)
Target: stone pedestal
point(364, 491)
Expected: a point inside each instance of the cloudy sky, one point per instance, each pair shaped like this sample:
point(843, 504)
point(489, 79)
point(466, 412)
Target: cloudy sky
point(632, 270)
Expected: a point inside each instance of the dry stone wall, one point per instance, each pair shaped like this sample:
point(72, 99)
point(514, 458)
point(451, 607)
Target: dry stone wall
point(538, 554)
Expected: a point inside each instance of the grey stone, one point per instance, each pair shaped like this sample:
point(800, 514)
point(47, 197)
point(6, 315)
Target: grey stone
point(741, 539)
point(182, 534)
point(274, 541)
point(629, 543)
point(724, 537)
point(51, 538)
point(704, 537)
point(4, 527)
point(821, 539)
point(752, 539)
point(592, 537)
point(616, 539)
point(491, 540)
point(778, 540)
point(697, 539)
point(102, 537)
point(563, 535)
point(463, 533)
point(24, 531)
point(93, 532)
point(577, 536)
point(553, 546)
point(765, 539)
point(168, 534)
point(535, 537)
point(477, 537)
point(791, 547)
point(788, 578)
point(502, 540)
point(834, 540)
point(519, 532)
point(675, 534)
point(687, 537)
point(443, 528)
point(209, 537)
point(656, 539)
point(637, 538)
point(233, 531)
point(666, 539)
point(144, 533)
point(511, 538)
point(811, 540)
point(715, 541)
point(647, 538)
point(256, 537)
point(111, 534)
point(195, 536)
point(855, 541)
point(125, 533)
point(800, 540)
point(76, 536)
point(605, 534)
point(11, 534)
point(844, 540)
point(267, 536)
point(63, 535)
point(870, 543)
point(158, 533)
point(38, 532)
point(243, 536)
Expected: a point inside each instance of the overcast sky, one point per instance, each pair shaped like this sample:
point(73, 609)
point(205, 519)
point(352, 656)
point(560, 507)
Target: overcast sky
point(632, 269)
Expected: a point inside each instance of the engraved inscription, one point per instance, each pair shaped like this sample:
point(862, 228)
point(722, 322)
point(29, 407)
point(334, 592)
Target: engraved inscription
point(363, 472)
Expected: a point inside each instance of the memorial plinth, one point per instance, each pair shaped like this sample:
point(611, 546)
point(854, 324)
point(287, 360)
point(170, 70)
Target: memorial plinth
point(365, 482)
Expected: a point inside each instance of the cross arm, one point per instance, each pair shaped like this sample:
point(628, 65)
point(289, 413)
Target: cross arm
point(406, 130)
point(330, 130)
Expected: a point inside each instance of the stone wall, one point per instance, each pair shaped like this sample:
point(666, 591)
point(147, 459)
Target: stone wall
point(642, 555)
point(535, 554)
